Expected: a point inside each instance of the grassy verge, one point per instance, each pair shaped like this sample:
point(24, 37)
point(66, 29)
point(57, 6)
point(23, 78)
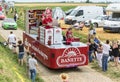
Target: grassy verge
point(10, 71)
point(112, 72)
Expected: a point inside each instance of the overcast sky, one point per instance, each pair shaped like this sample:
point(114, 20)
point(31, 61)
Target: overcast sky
point(62, 0)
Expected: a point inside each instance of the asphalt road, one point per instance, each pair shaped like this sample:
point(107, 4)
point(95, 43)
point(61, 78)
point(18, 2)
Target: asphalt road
point(80, 74)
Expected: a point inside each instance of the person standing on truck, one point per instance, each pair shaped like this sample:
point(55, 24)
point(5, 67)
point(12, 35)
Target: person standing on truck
point(21, 52)
point(33, 67)
point(69, 36)
point(47, 22)
point(47, 18)
point(38, 21)
point(12, 41)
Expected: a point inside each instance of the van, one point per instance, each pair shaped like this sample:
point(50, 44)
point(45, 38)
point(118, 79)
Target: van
point(83, 13)
point(113, 24)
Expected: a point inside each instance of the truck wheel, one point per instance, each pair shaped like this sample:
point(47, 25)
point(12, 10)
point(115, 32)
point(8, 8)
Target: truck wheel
point(96, 25)
point(74, 21)
point(119, 31)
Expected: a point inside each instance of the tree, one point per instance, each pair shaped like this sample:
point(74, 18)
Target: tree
point(88, 1)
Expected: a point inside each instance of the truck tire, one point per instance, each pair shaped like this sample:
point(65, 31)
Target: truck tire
point(119, 31)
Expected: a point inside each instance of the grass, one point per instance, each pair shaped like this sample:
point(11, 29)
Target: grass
point(10, 71)
point(112, 72)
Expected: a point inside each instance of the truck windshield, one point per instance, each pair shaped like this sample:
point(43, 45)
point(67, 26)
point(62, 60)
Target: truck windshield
point(73, 13)
point(115, 17)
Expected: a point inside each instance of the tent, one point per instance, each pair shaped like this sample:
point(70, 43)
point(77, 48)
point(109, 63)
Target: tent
point(58, 13)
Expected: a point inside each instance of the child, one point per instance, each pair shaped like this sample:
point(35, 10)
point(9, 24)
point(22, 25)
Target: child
point(64, 77)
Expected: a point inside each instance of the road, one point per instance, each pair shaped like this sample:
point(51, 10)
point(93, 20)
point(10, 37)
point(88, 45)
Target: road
point(80, 74)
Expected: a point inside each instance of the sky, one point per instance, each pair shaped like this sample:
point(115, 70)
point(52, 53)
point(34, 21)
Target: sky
point(63, 0)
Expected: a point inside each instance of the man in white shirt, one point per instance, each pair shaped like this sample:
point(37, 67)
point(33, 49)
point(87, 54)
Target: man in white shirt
point(12, 41)
point(106, 49)
point(33, 67)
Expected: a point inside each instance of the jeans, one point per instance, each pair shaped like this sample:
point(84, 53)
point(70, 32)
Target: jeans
point(90, 56)
point(105, 62)
point(33, 74)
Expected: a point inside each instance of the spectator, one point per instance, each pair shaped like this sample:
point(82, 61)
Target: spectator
point(15, 16)
point(33, 67)
point(27, 63)
point(100, 54)
point(97, 42)
point(64, 77)
point(106, 49)
point(12, 41)
point(91, 45)
point(21, 52)
point(92, 30)
point(115, 52)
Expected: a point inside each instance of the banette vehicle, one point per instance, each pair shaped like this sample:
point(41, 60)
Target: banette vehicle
point(113, 24)
point(83, 13)
point(49, 47)
point(9, 23)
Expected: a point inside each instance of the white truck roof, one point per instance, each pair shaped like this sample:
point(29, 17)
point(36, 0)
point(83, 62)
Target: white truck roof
point(115, 7)
point(84, 7)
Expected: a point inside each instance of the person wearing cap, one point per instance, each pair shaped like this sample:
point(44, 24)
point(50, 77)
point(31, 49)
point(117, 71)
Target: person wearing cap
point(33, 67)
point(64, 77)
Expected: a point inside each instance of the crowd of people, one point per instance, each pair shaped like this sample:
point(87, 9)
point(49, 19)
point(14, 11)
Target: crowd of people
point(103, 52)
point(31, 62)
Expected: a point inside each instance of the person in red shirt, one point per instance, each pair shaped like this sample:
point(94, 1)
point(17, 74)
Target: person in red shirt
point(69, 36)
point(69, 33)
point(47, 22)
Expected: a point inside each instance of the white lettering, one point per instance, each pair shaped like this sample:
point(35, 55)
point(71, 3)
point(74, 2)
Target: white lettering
point(40, 52)
point(37, 50)
point(71, 60)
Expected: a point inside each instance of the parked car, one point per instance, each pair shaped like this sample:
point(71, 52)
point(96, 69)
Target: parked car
point(9, 23)
point(2, 16)
point(98, 21)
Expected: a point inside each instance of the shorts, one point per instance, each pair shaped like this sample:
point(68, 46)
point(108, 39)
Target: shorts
point(21, 54)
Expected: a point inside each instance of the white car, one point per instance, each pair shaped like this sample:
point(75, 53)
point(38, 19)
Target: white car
point(98, 21)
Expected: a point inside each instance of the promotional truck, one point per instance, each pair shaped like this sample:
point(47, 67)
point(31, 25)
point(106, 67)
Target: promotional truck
point(48, 45)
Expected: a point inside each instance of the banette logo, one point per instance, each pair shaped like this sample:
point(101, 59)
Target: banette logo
point(71, 57)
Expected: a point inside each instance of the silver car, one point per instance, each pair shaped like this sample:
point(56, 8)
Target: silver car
point(98, 21)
